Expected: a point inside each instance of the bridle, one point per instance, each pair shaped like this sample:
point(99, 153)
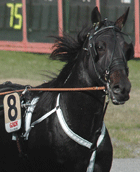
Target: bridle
point(113, 60)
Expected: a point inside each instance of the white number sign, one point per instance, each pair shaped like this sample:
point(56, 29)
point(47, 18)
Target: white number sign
point(12, 112)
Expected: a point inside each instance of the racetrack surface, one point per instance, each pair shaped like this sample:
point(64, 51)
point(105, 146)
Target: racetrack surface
point(126, 165)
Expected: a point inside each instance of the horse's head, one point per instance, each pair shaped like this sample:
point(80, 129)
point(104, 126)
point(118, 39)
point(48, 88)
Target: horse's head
point(109, 52)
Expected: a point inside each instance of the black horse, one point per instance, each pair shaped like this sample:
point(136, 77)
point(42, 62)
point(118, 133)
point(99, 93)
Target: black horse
point(66, 139)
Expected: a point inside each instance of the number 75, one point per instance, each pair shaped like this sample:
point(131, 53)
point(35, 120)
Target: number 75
point(14, 13)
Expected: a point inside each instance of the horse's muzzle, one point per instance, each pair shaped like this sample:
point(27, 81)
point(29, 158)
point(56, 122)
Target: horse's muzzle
point(120, 87)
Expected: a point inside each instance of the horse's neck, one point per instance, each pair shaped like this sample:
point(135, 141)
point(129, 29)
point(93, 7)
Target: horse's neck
point(82, 112)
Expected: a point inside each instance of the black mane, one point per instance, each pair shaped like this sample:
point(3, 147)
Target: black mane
point(66, 49)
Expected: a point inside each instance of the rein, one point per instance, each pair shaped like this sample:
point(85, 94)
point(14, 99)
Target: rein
point(55, 89)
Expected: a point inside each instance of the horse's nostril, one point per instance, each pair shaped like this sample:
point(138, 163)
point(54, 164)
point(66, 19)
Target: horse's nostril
point(116, 89)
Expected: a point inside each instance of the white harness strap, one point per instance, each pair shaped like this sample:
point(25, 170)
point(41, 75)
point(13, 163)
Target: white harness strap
point(28, 125)
point(28, 116)
point(93, 156)
point(77, 138)
point(65, 127)
point(67, 130)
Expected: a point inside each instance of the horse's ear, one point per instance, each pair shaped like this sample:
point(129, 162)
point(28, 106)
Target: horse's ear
point(95, 16)
point(121, 20)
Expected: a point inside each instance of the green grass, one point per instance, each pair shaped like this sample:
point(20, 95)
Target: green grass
point(134, 74)
point(123, 122)
point(26, 66)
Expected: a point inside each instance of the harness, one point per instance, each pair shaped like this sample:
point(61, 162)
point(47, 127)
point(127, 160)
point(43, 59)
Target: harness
point(78, 139)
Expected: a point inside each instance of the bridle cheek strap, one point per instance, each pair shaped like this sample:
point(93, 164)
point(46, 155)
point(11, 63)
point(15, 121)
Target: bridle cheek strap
point(113, 61)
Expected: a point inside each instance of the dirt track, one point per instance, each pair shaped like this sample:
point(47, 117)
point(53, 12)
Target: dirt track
point(126, 165)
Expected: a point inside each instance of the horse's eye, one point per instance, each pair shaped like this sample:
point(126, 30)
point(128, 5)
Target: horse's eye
point(100, 47)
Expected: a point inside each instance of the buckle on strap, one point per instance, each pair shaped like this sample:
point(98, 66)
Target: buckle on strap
point(90, 167)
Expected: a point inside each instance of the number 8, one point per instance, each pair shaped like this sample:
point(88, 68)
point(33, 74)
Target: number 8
point(12, 107)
